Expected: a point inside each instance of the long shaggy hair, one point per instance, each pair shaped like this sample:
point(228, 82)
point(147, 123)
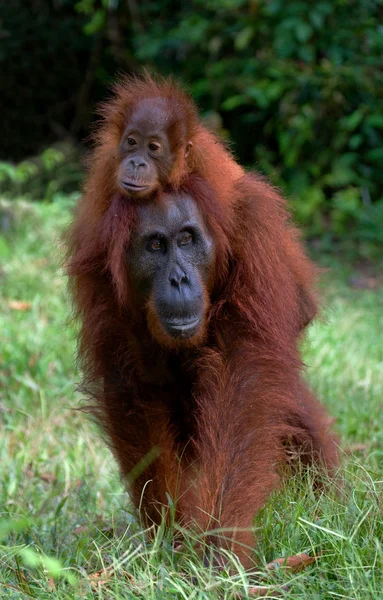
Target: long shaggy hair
point(219, 420)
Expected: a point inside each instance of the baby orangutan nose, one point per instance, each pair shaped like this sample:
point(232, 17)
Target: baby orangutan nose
point(138, 163)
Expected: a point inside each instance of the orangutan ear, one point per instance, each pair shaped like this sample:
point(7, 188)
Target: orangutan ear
point(188, 148)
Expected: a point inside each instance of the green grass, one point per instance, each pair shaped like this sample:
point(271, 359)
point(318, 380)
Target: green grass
point(64, 514)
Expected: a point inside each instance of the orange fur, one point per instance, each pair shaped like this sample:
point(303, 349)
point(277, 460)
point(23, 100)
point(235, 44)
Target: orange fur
point(209, 158)
point(211, 425)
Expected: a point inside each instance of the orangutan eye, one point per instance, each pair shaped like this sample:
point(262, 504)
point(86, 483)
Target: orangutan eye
point(154, 147)
point(156, 245)
point(185, 238)
point(131, 141)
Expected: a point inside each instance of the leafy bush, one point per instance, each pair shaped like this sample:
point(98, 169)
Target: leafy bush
point(300, 89)
point(56, 170)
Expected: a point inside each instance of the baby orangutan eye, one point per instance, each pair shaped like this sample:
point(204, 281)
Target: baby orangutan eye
point(131, 141)
point(154, 147)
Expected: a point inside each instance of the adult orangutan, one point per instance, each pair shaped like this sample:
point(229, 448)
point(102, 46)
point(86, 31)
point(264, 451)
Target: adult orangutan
point(189, 313)
point(151, 139)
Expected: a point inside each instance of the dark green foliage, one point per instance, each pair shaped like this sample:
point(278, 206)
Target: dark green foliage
point(57, 169)
point(43, 62)
point(297, 86)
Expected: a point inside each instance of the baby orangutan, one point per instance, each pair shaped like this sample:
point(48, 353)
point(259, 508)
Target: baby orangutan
point(151, 138)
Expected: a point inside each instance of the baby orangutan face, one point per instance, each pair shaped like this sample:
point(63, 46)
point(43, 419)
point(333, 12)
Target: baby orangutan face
point(171, 261)
point(151, 144)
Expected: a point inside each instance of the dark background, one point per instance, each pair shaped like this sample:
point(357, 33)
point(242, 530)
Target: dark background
point(296, 86)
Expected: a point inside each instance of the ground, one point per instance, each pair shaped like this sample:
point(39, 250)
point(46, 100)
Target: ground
point(64, 515)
